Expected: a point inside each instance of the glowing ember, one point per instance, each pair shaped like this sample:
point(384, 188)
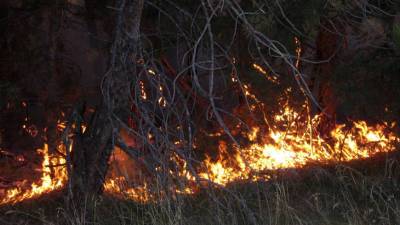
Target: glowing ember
point(143, 93)
point(117, 186)
point(261, 70)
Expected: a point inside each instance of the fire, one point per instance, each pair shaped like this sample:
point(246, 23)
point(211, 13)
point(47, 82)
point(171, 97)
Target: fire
point(292, 141)
point(261, 70)
point(289, 140)
point(287, 145)
point(294, 148)
point(143, 93)
point(53, 177)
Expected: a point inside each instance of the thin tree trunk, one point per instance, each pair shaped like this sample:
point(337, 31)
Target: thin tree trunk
point(328, 45)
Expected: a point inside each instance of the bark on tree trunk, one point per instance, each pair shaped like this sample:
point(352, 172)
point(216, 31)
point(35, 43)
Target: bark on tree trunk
point(92, 149)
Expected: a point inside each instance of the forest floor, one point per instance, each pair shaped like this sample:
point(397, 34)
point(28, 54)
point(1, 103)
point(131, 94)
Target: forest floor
point(355, 193)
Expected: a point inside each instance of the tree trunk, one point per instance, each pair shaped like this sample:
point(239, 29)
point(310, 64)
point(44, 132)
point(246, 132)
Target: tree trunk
point(328, 45)
point(92, 149)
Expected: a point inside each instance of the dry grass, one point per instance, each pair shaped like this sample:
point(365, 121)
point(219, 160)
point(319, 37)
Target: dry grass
point(356, 193)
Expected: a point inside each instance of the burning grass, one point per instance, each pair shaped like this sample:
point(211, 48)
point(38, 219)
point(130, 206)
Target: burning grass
point(291, 142)
point(53, 177)
point(286, 140)
point(360, 192)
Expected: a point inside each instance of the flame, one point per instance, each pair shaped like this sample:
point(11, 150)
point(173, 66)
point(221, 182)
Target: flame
point(294, 148)
point(290, 140)
point(53, 177)
point(117, 183)
point(288, 145)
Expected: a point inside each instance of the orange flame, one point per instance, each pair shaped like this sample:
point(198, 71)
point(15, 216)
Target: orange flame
point(290, 141)
point(294, 148)
point(292, 145)
point(51, 178)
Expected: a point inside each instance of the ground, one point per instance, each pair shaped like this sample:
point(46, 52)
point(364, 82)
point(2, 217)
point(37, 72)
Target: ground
point(355, 193)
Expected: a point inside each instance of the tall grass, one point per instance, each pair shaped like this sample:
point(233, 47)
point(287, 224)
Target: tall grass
point(337, 195)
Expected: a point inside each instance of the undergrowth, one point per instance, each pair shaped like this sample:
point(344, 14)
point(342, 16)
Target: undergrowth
point(340, 194)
